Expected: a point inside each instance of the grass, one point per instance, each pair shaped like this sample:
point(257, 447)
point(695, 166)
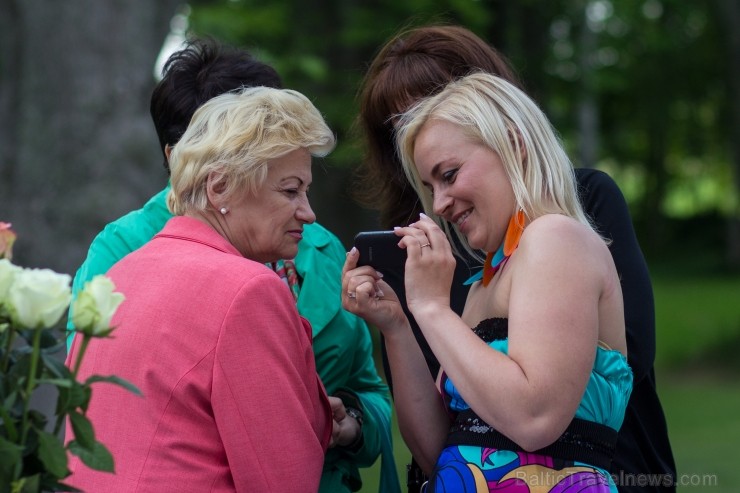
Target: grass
point(703, 414)
point(402, 456)
point(697, 321)
point(698, 337)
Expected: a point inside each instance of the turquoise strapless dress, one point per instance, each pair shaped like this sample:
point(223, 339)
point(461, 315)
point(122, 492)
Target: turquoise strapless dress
point(475, 469)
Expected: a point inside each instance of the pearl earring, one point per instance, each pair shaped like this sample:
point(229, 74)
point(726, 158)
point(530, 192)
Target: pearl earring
point(224, 210)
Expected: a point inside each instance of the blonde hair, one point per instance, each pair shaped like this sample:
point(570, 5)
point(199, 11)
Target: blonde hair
point(495, 113)
point(235, 135)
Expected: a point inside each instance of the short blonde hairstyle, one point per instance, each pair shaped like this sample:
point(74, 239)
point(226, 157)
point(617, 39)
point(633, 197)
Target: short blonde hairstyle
point(236, 135)
point(493, 112)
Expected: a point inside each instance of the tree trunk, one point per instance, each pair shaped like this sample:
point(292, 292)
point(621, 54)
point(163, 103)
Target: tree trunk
point(77, 148)
point(656, 178)
point(730, 14)
point(588, 110)
point(77, 145)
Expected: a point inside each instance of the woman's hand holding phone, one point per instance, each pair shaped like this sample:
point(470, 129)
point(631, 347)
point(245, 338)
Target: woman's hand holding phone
point(365, 294)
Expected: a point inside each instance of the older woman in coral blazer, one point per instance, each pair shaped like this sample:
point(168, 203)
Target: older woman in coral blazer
point(210, 335)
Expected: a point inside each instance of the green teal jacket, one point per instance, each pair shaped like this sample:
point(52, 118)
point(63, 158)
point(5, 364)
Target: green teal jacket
point(341, 341)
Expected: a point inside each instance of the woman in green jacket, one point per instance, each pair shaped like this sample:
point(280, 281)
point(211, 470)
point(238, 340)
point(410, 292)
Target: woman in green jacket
point(341, 341)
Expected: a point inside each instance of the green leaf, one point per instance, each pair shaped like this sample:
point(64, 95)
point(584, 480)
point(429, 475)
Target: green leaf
point(31, 446)
point(27, 484)
point(9, 425)
point(72, 398)
point(18, 372)
point(11, 455)
point(53, 454)
point(64, 487)
point(55, 367)
point(50, 343)
point(83, 430)
point(38, 418)
point(98, 458)
point(115, 380)
point(57, 382)
point(13, 402)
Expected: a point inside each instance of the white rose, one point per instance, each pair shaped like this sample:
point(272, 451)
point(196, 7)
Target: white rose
point(7, 274)
point(95, 305)
point(38, 297)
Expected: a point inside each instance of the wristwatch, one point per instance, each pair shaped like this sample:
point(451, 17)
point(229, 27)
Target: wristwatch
point(352, 407)
point(355, 413)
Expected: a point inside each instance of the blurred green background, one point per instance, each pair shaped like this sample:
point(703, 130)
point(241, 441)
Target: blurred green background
point(647, 90)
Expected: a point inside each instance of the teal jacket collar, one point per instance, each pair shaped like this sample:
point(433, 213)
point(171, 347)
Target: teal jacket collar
point(320, 296)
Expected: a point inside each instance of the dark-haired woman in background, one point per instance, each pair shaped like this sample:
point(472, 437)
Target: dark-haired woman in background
point(418, 62)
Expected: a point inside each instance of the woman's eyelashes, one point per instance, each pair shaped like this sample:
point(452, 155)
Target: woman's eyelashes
point(294, 191)
point(449, 175)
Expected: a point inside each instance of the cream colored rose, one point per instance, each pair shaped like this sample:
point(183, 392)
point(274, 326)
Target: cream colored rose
point(7, 275)
point(95, 305)
point(38, 297)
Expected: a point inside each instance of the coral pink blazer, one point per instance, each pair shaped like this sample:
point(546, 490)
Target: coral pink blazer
point(231, 399)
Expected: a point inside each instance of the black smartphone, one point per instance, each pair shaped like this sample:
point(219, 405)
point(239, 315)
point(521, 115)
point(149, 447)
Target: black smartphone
point(380, 250)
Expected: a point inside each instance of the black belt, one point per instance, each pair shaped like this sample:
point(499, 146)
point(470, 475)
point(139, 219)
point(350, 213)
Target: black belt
point(583, 441)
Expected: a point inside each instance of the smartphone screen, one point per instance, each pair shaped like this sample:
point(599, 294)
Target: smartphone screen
point(380, 250)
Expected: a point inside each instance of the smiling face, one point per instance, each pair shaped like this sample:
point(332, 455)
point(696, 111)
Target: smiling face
point(469, 184)
point(267, 225)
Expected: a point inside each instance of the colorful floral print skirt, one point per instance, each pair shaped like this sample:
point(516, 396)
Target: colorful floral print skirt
point(471, 469)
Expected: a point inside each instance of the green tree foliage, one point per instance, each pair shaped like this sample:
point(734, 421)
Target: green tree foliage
point(636, 87)
point(322, 47)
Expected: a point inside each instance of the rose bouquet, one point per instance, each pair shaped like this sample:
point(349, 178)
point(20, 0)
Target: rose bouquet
point(32, 302)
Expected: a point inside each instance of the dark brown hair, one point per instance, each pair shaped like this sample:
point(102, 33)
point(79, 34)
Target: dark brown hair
point(202, 70)
point(415, 63)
